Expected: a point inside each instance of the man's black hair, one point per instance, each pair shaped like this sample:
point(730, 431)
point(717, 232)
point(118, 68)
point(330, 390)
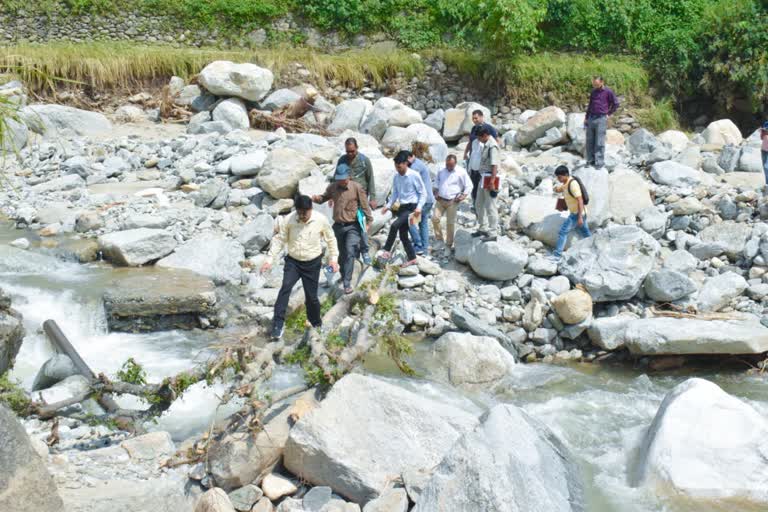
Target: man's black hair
point(598, 77)
point(452, 157)
point(402, 157)
point(303, 202)
point(478, 112)
point(562, 171)
point(483, 131)
point(350, 140)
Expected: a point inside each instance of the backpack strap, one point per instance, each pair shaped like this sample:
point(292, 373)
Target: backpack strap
point(571, 182)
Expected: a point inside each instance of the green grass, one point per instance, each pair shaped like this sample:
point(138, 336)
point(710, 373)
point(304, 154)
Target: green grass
point(121, 65)
point(13, 396)
point(552, 78)
point(297, 320)
point(659, 117)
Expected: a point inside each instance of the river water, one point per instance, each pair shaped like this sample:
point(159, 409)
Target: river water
point(599, 412)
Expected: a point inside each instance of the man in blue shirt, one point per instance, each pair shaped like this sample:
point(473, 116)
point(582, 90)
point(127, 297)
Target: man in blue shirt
point(474, 149)
point(420, 232)
point(408, 197)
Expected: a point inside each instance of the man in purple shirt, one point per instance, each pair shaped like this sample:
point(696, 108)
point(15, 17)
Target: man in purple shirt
point(602, 103)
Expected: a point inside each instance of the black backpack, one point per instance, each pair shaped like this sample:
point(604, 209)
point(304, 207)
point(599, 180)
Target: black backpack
point(584, 193)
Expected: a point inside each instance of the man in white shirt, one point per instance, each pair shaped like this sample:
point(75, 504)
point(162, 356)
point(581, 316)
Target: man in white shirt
point(408, 197)
point(451, 188)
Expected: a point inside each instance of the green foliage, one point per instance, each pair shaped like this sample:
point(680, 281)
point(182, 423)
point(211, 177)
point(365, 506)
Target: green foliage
point(296, 322)
point(13, 396)
point(132, 373)
point(299, 356)
point(659, 117)
point(511, 26)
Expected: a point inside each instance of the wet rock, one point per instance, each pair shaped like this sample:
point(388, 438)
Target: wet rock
point(11, 333)
point(611, 264)
point(158, 299)
point(706, 445)
point(531, 470)
point(246, 81)
point(136, 247)
point(356, 439)
point(53, 371)
point(25, 485)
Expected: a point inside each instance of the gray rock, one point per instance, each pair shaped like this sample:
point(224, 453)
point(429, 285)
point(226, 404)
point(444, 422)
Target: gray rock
point(136, 247)
point(247, 165)
point(642, 142)
point(246, 81)
point(25, 485)
point(668, 285)
point(732, 236)
point(675, 174)
point(210, 192)
point(15, 138)
point(53, 371)
point(245, 498)
point(140, 220)
point(435, 119)
point(609, 333)
point(717, 292)
point(279, 98)
point(751, 159)
point(498, 261)
point(470, 362)
point(666, 336)
point(710, 165)
point(282, 171)
point(707, 250)
point(316, 499)
point(629, 194)
point(597, 183)
point(11, 333)
point(57, 121)
point(349, 115)
point(653, 221)
point(530, 471)
point(576, 132)
point(392, 500)
point(68, 388)
point(187, 96)
point(611, 264)
point(152, 447)
point(68, 182)
point(209, 255)
point(257, 234)
point(203, 102)
point(537, 125)
point(468, 322)
point(680, 261)
point(729, 158)
point(233, 112)
point(356, 450)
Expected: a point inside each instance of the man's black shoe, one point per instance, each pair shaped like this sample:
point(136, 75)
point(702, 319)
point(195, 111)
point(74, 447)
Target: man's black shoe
point(277, 332)
point(478, 234)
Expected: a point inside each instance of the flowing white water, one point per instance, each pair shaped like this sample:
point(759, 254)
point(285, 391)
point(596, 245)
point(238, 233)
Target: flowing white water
point(600, 413)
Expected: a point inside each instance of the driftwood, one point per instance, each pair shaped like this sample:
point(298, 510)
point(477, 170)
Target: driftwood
point(263, 121)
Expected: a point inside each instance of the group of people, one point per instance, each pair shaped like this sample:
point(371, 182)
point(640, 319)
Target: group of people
point(415, 200)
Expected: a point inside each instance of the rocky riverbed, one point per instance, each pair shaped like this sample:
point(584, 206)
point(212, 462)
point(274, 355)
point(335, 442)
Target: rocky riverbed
point(143, 240)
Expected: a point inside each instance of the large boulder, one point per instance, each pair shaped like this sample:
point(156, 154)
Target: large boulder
point(498, 261)
point(388, 112)
point(367, 432)
point(722, 132)
point(238, 460)
point(458, 121)
point(53, 371)
point(471, 362)
point(612, 263)
point(57, 121)
point(732, 236)
point(257, 234)
point(383, 174)
point(668, 285)
point(397, 138)
point(674, 139)
point(537, 217)
point(642, 142)
point(665, 336)
point(717, 292)
point(537, 126)
point(25, 485)
point(629, 194)
point(706, 445)
point(597, 183)
point(283, 170)
point(574, 129)
point(209, 255)
point(136, 247)
point(63, 183)
point(350, 114)
point(246, 81)
point(609, 333)
point(279, 98)
point(15, 137)
point(11, 333)
point(751, 159)
point(675, 174)
point(316, 147)
point(509, 463)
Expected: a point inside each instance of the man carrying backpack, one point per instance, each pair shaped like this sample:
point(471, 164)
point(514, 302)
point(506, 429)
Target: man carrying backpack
point(576, 199)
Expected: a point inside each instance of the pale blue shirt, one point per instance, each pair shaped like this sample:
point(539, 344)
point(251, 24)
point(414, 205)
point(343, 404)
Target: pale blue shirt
point(419, 166)
point(407, 189)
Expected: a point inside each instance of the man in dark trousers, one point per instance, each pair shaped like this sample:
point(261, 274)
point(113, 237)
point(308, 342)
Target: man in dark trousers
point(474, 149)
point(347, 197)
point(408, 197)
point(361, 172)
point(302, 234)
point(602, 103)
